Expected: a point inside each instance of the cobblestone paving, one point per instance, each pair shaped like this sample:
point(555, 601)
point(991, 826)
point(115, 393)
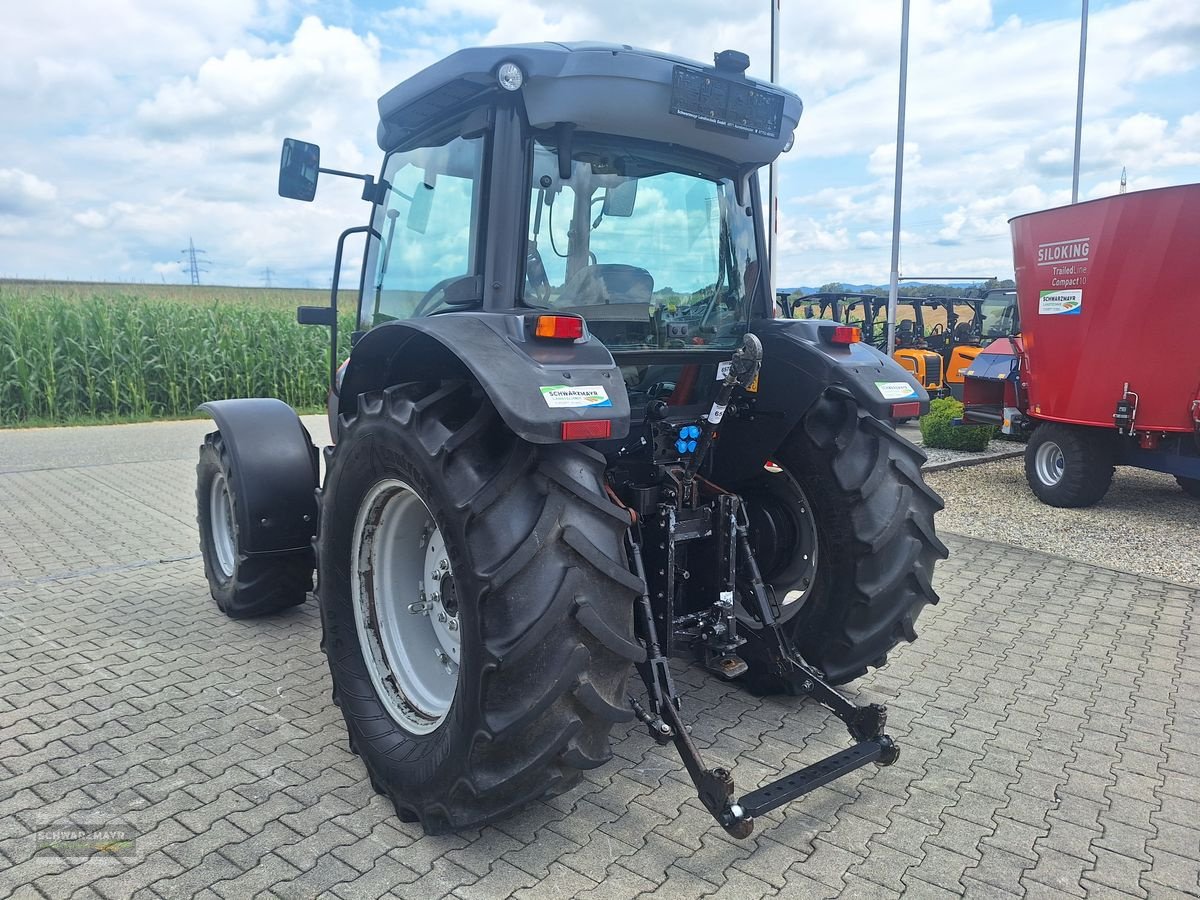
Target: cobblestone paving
point(1046, 716)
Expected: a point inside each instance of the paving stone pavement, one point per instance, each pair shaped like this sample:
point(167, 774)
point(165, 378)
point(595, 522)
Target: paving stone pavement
point(1046, 716)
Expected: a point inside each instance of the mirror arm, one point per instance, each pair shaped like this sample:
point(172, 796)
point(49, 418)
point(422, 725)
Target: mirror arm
point(372, 192)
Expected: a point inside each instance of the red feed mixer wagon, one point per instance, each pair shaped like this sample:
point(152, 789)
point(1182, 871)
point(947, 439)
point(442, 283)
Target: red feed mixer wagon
point(1105, 367)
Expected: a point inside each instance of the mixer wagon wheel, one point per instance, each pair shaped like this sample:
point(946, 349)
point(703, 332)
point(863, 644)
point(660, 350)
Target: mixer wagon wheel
point(1068, 465)
point(1191, 486)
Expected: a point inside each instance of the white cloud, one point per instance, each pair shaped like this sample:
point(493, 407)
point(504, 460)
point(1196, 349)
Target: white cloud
point(23, 192)
point(240, 91)
point(91, 218)
point(882, 160)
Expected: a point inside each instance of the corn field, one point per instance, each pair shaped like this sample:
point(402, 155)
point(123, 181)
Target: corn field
point(64, 358)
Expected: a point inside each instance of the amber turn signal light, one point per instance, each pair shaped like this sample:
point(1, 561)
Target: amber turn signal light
point(563, 328)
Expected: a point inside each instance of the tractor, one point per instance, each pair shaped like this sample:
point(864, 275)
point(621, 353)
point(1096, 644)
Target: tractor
point(966, 325)
point(571, 442)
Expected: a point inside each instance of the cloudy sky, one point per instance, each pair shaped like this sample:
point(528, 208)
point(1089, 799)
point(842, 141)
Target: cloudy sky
point(132, 125)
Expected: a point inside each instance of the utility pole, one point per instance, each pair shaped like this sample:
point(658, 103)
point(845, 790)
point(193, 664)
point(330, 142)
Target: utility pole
point(894, 285)
point(267, 276)
point(194, 266)
point(1122, 179)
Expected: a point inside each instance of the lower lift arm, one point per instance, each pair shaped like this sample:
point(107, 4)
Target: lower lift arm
point(715, 786)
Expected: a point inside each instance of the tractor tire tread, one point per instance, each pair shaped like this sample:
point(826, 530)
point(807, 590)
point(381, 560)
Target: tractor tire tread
point(872, 474)
point(555, 608)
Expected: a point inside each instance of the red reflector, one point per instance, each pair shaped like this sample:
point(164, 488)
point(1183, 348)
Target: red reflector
point(566, 328)
point(586, 430)
point(845, 334)
point(906, 410)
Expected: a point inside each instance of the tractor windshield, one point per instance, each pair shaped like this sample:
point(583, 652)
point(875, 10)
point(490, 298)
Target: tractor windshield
point(999, 314)
point(653, 255)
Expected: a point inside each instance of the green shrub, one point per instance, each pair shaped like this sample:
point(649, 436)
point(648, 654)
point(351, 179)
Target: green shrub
point(936, 430)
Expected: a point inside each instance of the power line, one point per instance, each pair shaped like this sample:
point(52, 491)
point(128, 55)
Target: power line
point(194, 266)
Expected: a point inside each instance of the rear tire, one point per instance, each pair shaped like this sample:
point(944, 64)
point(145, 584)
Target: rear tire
point(876, 545)
point(1068, 466)
point(1191, 486)
point(243, 586)
point(543, 606)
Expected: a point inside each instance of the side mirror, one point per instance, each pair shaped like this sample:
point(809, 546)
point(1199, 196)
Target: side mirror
point(298, 169)
point(619, 201)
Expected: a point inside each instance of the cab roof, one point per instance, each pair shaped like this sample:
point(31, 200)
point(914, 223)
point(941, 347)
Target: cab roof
point(603, 88)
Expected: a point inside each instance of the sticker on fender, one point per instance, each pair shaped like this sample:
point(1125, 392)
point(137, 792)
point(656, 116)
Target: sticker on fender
point(895, 390)
point(563, 396)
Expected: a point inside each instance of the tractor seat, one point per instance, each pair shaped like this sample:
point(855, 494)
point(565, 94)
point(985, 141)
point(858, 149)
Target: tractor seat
point(606, 283)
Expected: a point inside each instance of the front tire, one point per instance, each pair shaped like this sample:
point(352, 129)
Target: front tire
point(543, 603)
point(859, 484)
point(1068, 466)
point(243, 586)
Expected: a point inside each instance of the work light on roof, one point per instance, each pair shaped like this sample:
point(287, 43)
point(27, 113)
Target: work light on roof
point(510, 76)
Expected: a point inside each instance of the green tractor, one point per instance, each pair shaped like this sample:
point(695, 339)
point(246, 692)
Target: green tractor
point(572, 441)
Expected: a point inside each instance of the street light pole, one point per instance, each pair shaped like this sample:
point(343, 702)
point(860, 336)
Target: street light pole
point(773, 169)
point(894, 286)
point(1083, 19)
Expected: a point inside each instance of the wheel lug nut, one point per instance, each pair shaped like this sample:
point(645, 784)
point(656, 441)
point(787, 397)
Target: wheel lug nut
point(441, 617)
point(452, 624)
point(435, 597)
point(444, 564)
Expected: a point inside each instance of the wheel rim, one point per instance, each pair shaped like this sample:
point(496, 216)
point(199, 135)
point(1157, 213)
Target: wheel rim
point(220, 518)
point(406, 606)
point(782, 513)
point(1049, 463)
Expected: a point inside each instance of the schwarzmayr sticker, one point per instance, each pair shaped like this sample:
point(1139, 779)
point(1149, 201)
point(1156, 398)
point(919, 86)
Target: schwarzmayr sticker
point(895, 390)
point(1060, 303)
point(563, 396)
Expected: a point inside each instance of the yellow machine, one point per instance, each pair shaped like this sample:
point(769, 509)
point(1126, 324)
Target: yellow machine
point(913, 353)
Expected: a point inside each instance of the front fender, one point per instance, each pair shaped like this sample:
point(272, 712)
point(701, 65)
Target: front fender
point(798, 366)
point(513, 368)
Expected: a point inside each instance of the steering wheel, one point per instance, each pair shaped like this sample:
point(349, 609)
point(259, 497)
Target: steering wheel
point(430, 294)
point(937, 329)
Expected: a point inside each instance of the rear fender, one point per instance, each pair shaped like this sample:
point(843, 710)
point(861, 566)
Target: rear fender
point(275, 469)
point(498, 351)
point(798, 367)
